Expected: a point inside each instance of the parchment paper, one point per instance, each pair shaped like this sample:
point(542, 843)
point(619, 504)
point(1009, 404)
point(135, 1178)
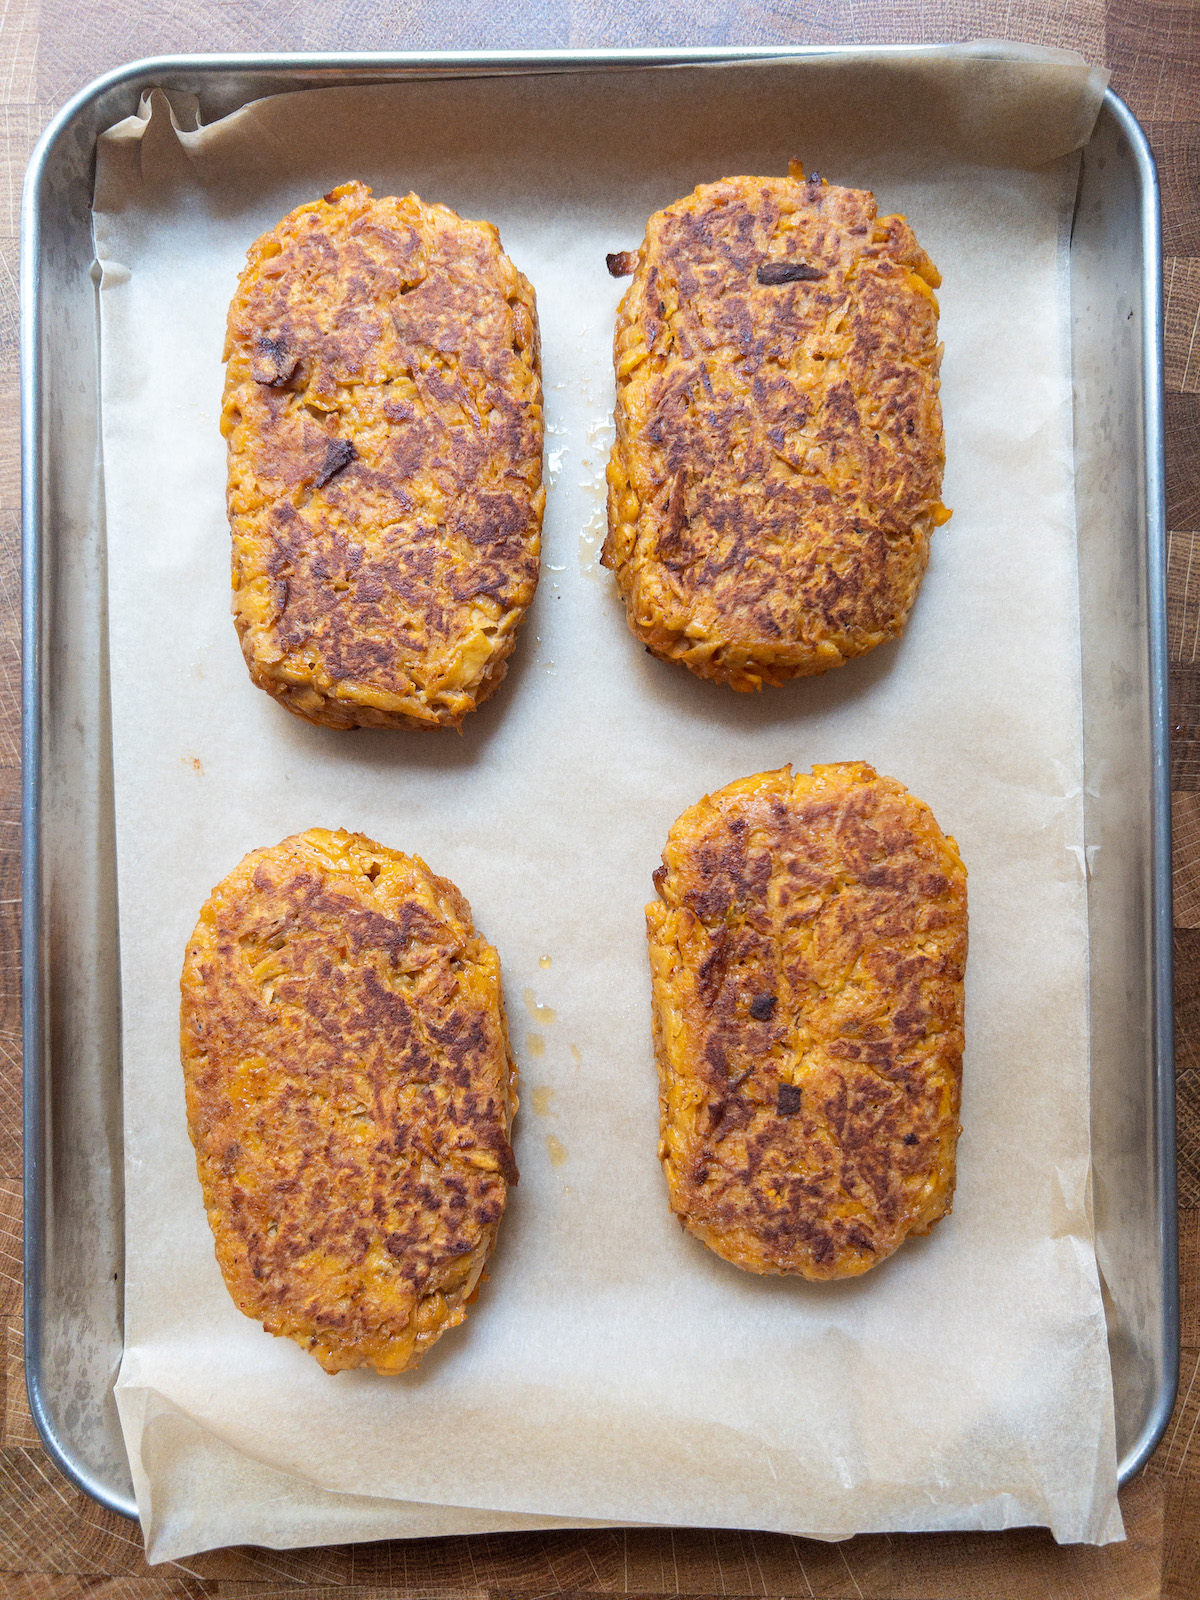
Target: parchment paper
point(613, 1369)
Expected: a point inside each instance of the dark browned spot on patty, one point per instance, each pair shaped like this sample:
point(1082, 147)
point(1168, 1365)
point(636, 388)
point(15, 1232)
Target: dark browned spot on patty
point(789, 1100)
point(339, 453)
point(274, 364)
point(773, 272)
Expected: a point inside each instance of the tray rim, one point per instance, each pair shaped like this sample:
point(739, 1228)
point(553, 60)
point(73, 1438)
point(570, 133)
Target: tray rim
point(379, 66)
point(1162, 911)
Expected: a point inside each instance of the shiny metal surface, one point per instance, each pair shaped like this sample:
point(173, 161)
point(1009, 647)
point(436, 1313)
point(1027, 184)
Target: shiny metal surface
point(71, 989)
point(1116, 294)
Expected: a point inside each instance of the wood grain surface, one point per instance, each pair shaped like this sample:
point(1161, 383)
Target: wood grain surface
point(55, 1544)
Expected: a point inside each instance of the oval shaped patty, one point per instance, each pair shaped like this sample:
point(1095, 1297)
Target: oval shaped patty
point(778, 459)
point(807, 952)
point(383, 411)
point(349, 1094)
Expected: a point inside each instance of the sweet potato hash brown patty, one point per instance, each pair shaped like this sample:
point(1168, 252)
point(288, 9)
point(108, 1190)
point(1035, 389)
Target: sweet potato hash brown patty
point(383, 412)
point(778, 459)
point(350, 1094)
point(807, 952)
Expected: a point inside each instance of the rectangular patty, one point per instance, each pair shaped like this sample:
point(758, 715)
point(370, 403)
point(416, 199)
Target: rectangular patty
point(778, 460)
point(349, 1095)
point(807, 951)
point(383, 411)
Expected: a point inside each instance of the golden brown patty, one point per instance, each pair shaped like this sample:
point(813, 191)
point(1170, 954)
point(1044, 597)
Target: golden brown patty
point(807, 953)
point(349, 1093)
point(778, 460)
point(383, 407)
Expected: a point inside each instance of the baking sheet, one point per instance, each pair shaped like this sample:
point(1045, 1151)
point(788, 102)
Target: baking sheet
point(613, 1369)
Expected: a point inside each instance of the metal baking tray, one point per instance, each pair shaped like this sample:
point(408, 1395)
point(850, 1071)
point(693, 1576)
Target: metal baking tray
point(71, 981)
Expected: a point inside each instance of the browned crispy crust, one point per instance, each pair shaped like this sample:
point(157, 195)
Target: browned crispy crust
point(349, 1093)
point(778, 459)
point(383, 410)
point(807, 952)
